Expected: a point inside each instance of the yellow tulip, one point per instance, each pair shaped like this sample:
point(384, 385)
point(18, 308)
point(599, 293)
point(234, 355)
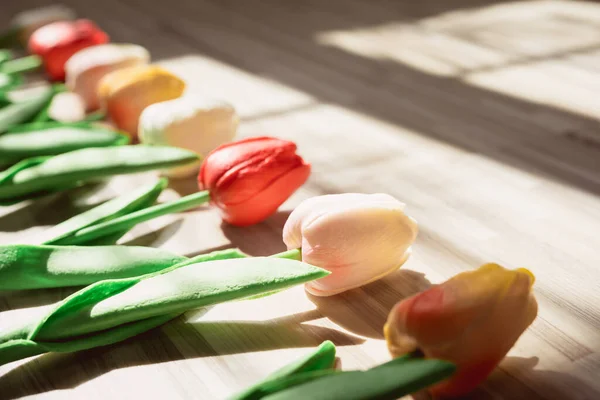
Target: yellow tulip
point(359, 238)
point(125, 93)
point(472, 320)
point(86, 68)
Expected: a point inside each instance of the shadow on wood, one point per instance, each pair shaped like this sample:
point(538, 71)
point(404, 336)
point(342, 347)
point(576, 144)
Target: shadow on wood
point(364, 310)
point(262, 239)
point(176, 340)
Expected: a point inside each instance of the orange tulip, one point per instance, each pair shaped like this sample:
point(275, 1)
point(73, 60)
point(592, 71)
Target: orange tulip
point(125, 93)
point(471, 320)
point(249, 179)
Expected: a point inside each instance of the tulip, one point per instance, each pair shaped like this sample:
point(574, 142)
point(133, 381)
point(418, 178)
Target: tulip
point(125, 93)
point(264, 181)
point(189, 122)
point(66, 107)
point(55, 43)
point(359, 238)
point(471, 320)
point(26, 22)
point(86, 68)
point(249, 179)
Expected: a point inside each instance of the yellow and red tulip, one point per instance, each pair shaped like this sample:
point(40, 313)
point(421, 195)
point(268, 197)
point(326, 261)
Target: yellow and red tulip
point(471, 320)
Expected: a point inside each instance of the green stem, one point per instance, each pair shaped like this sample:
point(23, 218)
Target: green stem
point(145, 214)
point(23, 64)
point(5, 55)
point(95, 116)
point(294, 254)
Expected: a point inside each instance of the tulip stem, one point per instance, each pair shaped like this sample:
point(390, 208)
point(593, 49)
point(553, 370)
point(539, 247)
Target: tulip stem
point(294, 254)
point(130, 220)
point(23, 64)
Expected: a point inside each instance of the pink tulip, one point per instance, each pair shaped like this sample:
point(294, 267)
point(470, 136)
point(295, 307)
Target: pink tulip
point(358, 237)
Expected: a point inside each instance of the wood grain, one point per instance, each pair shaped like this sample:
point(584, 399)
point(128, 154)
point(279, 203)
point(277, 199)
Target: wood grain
point(482, 116)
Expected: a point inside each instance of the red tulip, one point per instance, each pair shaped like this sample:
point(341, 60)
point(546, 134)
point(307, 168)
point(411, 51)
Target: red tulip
point(57, 42)
point(249, 179)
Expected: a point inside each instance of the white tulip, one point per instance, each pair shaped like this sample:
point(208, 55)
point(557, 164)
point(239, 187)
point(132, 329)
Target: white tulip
point(190, 122)
point(67, 107)
point(358, 237)
point(87, 67)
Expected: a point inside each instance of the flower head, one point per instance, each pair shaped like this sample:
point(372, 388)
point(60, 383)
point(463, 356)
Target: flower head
point(55, 43)
point(86, 68)
point(358, 237)
point(250, 178)
point(471, 320)
point(189, 122)
point(125, 93)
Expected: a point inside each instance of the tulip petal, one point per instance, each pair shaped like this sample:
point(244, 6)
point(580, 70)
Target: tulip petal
point(359, 238)
point(472, 320)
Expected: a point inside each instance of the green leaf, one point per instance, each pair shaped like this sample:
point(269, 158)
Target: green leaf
point(53, 139)
point(113, 305)
point(5, 55)
point(23, 111)
point(8, 174)
point(90, 164)
point(36, 267)
point(128, 221)
point(310, 367)
point(139, 198)
point(389, 383)
point(20, 65)
point(10, 81)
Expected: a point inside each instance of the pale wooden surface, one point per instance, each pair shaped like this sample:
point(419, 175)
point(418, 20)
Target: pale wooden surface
point(482, 117)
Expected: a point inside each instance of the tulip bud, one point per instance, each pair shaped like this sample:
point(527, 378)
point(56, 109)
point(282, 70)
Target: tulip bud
point(249, 179)
point(471, 320)
point(189, 122)
point(87, 67)
point(26, 22)
point(359, 238)
point(125, 93)
point(66, 107)
point(55, 43)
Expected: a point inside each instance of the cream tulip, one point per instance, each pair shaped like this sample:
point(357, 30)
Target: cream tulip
point(358, 237)
point(67, 107)
point(190, 122)
point(86, 68)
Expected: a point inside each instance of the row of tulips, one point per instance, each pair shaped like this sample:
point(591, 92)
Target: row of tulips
point(141, 99)
point(471, 320)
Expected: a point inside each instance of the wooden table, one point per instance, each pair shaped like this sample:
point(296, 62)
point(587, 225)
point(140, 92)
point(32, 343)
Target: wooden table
point(482, 117)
